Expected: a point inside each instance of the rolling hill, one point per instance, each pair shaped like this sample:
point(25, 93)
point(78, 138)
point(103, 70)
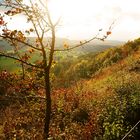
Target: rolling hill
point(103, 93)
point(95, 96)
point(94, 46)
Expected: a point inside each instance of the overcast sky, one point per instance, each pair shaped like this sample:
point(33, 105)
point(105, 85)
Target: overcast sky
point(81, 19)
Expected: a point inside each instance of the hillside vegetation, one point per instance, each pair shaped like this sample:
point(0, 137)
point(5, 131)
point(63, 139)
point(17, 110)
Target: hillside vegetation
point(88, 65)
point(11, 66)
point(95, 97)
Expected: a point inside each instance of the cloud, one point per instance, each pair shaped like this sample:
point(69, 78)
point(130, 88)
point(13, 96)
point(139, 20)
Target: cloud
point(135, 16)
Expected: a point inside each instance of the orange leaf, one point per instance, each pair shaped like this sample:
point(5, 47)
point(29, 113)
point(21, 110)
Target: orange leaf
point(108, 32)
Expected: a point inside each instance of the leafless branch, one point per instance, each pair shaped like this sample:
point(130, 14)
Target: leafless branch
point(88, 41)
point(79, 45)
point(25, 43)
point(131, 130)
point(20, 60)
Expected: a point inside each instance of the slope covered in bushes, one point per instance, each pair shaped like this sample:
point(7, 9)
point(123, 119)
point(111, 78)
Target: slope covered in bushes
point(105, 103)
point(86, 66)
point(101, 101)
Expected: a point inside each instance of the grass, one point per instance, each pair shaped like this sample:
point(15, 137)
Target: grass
point(9, 65)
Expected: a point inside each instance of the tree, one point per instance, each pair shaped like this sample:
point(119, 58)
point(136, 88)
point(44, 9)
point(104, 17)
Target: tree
point(37, 14)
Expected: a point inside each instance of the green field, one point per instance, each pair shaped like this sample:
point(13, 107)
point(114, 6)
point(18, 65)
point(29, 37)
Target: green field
point(9, 65)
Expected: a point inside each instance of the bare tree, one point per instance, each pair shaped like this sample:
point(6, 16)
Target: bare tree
point(42, 25)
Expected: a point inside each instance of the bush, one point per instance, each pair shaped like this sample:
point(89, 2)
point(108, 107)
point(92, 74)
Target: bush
point(123, 110)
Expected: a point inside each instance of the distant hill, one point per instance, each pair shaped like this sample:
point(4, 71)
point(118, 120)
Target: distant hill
point(109, 86)
point(86, 66)
point(94, 46)
point(106, 86)
point(94, 96)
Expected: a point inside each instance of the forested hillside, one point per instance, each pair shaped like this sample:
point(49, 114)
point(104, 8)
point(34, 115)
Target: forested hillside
point(95, 96)
point(11, 66)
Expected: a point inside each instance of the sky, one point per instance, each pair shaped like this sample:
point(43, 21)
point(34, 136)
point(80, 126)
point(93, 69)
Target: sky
point(81, 19)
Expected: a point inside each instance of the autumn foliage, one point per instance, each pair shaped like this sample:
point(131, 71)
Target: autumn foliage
point(102, 106)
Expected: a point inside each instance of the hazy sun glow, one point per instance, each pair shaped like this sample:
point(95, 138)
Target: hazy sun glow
point(77, 17)
point(73, 9)
point(81, 19)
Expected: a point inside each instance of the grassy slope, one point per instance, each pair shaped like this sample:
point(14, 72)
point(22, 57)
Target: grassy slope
point(130, 65)
point(11, 66)
point(115, 91)
point(105, 105)
point(86, 66)
point(110, 96)
point(125, 68)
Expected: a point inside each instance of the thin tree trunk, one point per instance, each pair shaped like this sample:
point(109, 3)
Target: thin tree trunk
point(47, 81)
point(48, 104)
point(23, 71)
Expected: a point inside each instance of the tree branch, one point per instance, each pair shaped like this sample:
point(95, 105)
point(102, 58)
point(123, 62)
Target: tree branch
point(25, 43)
point(80, 45)
point(12, 57)
point(130, 130)
point(88, 41)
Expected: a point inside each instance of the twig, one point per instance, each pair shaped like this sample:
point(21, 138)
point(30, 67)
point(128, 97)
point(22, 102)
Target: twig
point(130, 130)
point(20, 60)
point(25, 43)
